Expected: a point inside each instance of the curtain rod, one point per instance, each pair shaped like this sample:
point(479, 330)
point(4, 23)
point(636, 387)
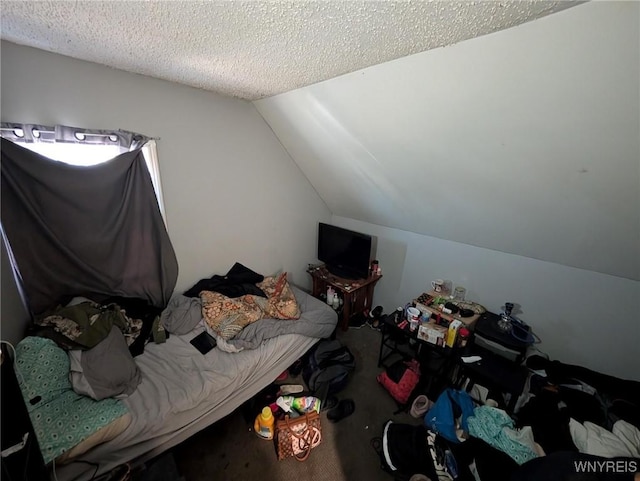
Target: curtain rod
point(53, 131)
point(79, 132)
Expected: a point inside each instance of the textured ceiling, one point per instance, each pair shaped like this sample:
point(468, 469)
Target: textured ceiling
point(254, 49)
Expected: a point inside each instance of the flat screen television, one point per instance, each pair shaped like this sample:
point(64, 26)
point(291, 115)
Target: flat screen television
point(345, 253)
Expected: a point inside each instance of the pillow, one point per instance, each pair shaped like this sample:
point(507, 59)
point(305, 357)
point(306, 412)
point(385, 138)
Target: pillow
point(239, 281)
point(107, 370)
point(281, 302)
point(244, 275)
point(228, 316)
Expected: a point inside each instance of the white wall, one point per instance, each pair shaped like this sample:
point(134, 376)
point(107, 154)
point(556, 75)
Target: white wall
point(523, 141)
point(231, 191)
point(582, 317)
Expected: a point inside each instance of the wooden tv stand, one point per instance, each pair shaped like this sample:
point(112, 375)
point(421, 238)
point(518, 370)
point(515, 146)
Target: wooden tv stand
point(357, 294)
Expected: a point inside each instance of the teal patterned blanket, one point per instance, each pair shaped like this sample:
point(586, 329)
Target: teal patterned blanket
point(60, 417)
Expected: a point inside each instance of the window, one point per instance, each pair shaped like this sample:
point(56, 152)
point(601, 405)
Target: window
point(76, 154)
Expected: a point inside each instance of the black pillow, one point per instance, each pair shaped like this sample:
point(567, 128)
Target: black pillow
point(241, 274)
point(240, 280)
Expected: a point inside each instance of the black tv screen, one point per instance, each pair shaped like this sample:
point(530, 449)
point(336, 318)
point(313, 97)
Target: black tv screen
point(345, 253)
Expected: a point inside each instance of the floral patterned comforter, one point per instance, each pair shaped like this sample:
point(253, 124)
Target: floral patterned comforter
point(228, 316)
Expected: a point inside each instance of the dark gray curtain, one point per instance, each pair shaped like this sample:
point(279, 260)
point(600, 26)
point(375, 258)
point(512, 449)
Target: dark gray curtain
point(95, 231)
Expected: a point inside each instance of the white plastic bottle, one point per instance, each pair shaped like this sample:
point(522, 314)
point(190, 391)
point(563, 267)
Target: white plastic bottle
point(330, 295)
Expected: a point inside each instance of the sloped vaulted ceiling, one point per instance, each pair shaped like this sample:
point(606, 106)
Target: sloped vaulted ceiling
point(255, 48)
point(525, 141)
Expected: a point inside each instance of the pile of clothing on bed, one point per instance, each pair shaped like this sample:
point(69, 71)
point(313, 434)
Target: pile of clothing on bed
point(572, 424)
point(241, 310)
point(101, 340)
point(232, 302)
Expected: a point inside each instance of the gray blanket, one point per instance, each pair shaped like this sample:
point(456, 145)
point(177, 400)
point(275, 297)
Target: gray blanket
point(315, 321)
point(182, 314)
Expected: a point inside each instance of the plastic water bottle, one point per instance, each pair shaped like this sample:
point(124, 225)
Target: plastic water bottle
point(330, 296)
point(263, 426)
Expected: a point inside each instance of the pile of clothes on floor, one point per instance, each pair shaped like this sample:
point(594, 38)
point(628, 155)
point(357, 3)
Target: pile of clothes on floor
point(571, 424)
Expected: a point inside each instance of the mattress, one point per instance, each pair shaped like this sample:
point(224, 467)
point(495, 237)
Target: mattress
point(183, 391)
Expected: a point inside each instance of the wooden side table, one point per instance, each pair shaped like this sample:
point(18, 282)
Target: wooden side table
point(357, 294)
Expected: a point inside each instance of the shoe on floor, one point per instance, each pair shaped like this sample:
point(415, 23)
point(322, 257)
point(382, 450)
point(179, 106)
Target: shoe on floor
point(345, 408)
point(374, 318)
point(329, 403)
point(286, 389)
point(420, 406)
point(376, 313)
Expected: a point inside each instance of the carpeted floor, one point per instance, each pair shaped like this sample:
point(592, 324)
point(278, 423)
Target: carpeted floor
point(230, 451)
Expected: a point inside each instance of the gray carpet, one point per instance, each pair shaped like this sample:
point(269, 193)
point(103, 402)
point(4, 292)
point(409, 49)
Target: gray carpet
point(230, 451)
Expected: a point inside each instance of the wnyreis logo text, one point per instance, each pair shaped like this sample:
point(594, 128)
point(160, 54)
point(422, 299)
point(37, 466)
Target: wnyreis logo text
point(606, 466)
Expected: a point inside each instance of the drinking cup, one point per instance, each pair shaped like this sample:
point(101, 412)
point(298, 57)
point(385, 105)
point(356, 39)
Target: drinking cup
point(459, 292)
point(413, 314)
point(438, 285)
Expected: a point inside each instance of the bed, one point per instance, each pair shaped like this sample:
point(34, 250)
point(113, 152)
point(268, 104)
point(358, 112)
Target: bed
point(183, 391)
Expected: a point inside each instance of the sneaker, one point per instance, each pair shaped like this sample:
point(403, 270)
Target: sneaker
point(420, 406)
point(374, 319)
point(376, 313)
point(286, 389)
